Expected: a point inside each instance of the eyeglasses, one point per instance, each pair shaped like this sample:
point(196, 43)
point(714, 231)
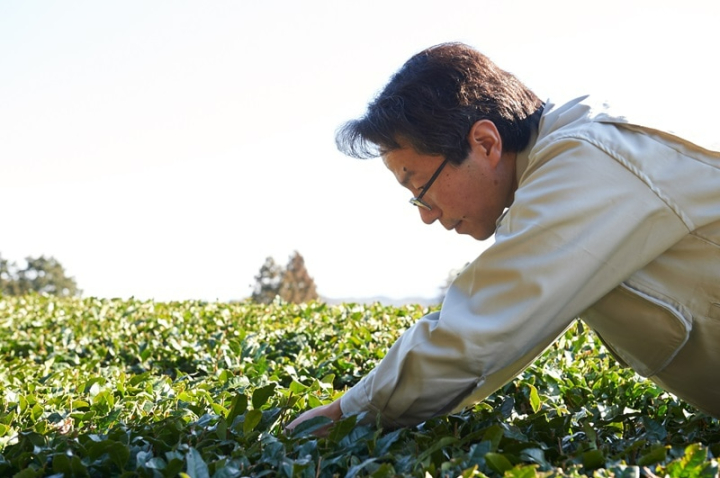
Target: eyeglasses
point(417, 201)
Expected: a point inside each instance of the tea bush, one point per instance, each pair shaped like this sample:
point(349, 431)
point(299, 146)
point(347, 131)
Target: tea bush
point(95, 387)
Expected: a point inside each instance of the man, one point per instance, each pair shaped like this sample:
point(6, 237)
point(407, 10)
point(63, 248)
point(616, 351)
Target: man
point(594, 217)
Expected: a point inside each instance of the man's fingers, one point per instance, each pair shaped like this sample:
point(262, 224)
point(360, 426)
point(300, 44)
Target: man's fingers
point(331, 411)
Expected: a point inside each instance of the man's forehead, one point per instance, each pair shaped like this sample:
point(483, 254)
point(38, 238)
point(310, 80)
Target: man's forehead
point(400, 163)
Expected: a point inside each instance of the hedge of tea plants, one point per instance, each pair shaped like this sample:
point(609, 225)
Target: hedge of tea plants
point(96, 388)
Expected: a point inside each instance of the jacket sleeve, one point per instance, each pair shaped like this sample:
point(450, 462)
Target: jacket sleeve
point(581, 223)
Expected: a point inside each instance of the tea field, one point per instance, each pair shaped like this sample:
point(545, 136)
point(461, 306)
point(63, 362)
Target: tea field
point(98, 388)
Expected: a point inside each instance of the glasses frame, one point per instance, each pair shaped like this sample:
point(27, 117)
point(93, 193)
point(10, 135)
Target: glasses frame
point(417, 200)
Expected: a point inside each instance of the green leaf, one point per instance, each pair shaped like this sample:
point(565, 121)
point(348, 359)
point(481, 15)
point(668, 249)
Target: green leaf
point(119, 453)
point(237, 407)
point(493, 435)
point(382, 447)
point(358, 468)
point(507, 406)
point(36, 412)
point(297, 388)
point(535, 455)
point(196, 466)
point(29, 473)
point(535, 402)
point(252, 418)
point(61, 464)
point(309, 426)
point(227, 471)
point(590, 433)
point(77, 467)
point(221, 429)
point(313, 401)
point(694, 455)
point(654, 429)
point(261, 395)
point(91, 386)
point(341, 428)
point(438, 445)
point(693, 464)
point(498, 462)
point(593, 459)
point(521, 471)
point(385, 470)
point(656, 454)
point(185, 397)
point(79, 404)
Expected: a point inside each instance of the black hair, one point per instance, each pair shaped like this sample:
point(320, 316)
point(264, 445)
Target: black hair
point(433, 101)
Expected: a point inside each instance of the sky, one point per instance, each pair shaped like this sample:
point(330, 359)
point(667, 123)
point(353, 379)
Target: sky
point(162, 150)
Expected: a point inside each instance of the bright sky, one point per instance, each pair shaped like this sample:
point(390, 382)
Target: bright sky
point(163, 149)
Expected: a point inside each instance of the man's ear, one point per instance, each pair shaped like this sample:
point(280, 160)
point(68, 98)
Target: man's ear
point(485, 141)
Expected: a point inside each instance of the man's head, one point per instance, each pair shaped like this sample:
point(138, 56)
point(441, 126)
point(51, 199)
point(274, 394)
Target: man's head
point(433, 101)
point(448, 126)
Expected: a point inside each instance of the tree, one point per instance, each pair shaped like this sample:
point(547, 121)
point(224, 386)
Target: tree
point(8, 282)
point(297, 286)
point(292, 283)
point(44, 275)
point(267, 282)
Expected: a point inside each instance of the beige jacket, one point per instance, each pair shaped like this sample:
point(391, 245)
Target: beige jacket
point(612, 222)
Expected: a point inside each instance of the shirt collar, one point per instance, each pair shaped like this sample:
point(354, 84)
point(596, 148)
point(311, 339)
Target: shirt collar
point(523, 157)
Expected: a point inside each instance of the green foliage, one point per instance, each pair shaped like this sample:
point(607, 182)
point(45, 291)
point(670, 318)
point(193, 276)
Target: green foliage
point(128, 388)
point(44, 275)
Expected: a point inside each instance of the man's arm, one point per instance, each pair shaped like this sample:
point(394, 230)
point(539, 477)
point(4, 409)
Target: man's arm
point(580, 225)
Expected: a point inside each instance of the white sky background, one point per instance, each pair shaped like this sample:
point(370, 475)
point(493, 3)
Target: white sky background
point(163, 149)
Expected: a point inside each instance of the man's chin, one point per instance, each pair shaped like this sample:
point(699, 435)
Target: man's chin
point(466, 229)
point(477, 235)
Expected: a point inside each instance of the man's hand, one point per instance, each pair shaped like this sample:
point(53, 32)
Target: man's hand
point(331, 411)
